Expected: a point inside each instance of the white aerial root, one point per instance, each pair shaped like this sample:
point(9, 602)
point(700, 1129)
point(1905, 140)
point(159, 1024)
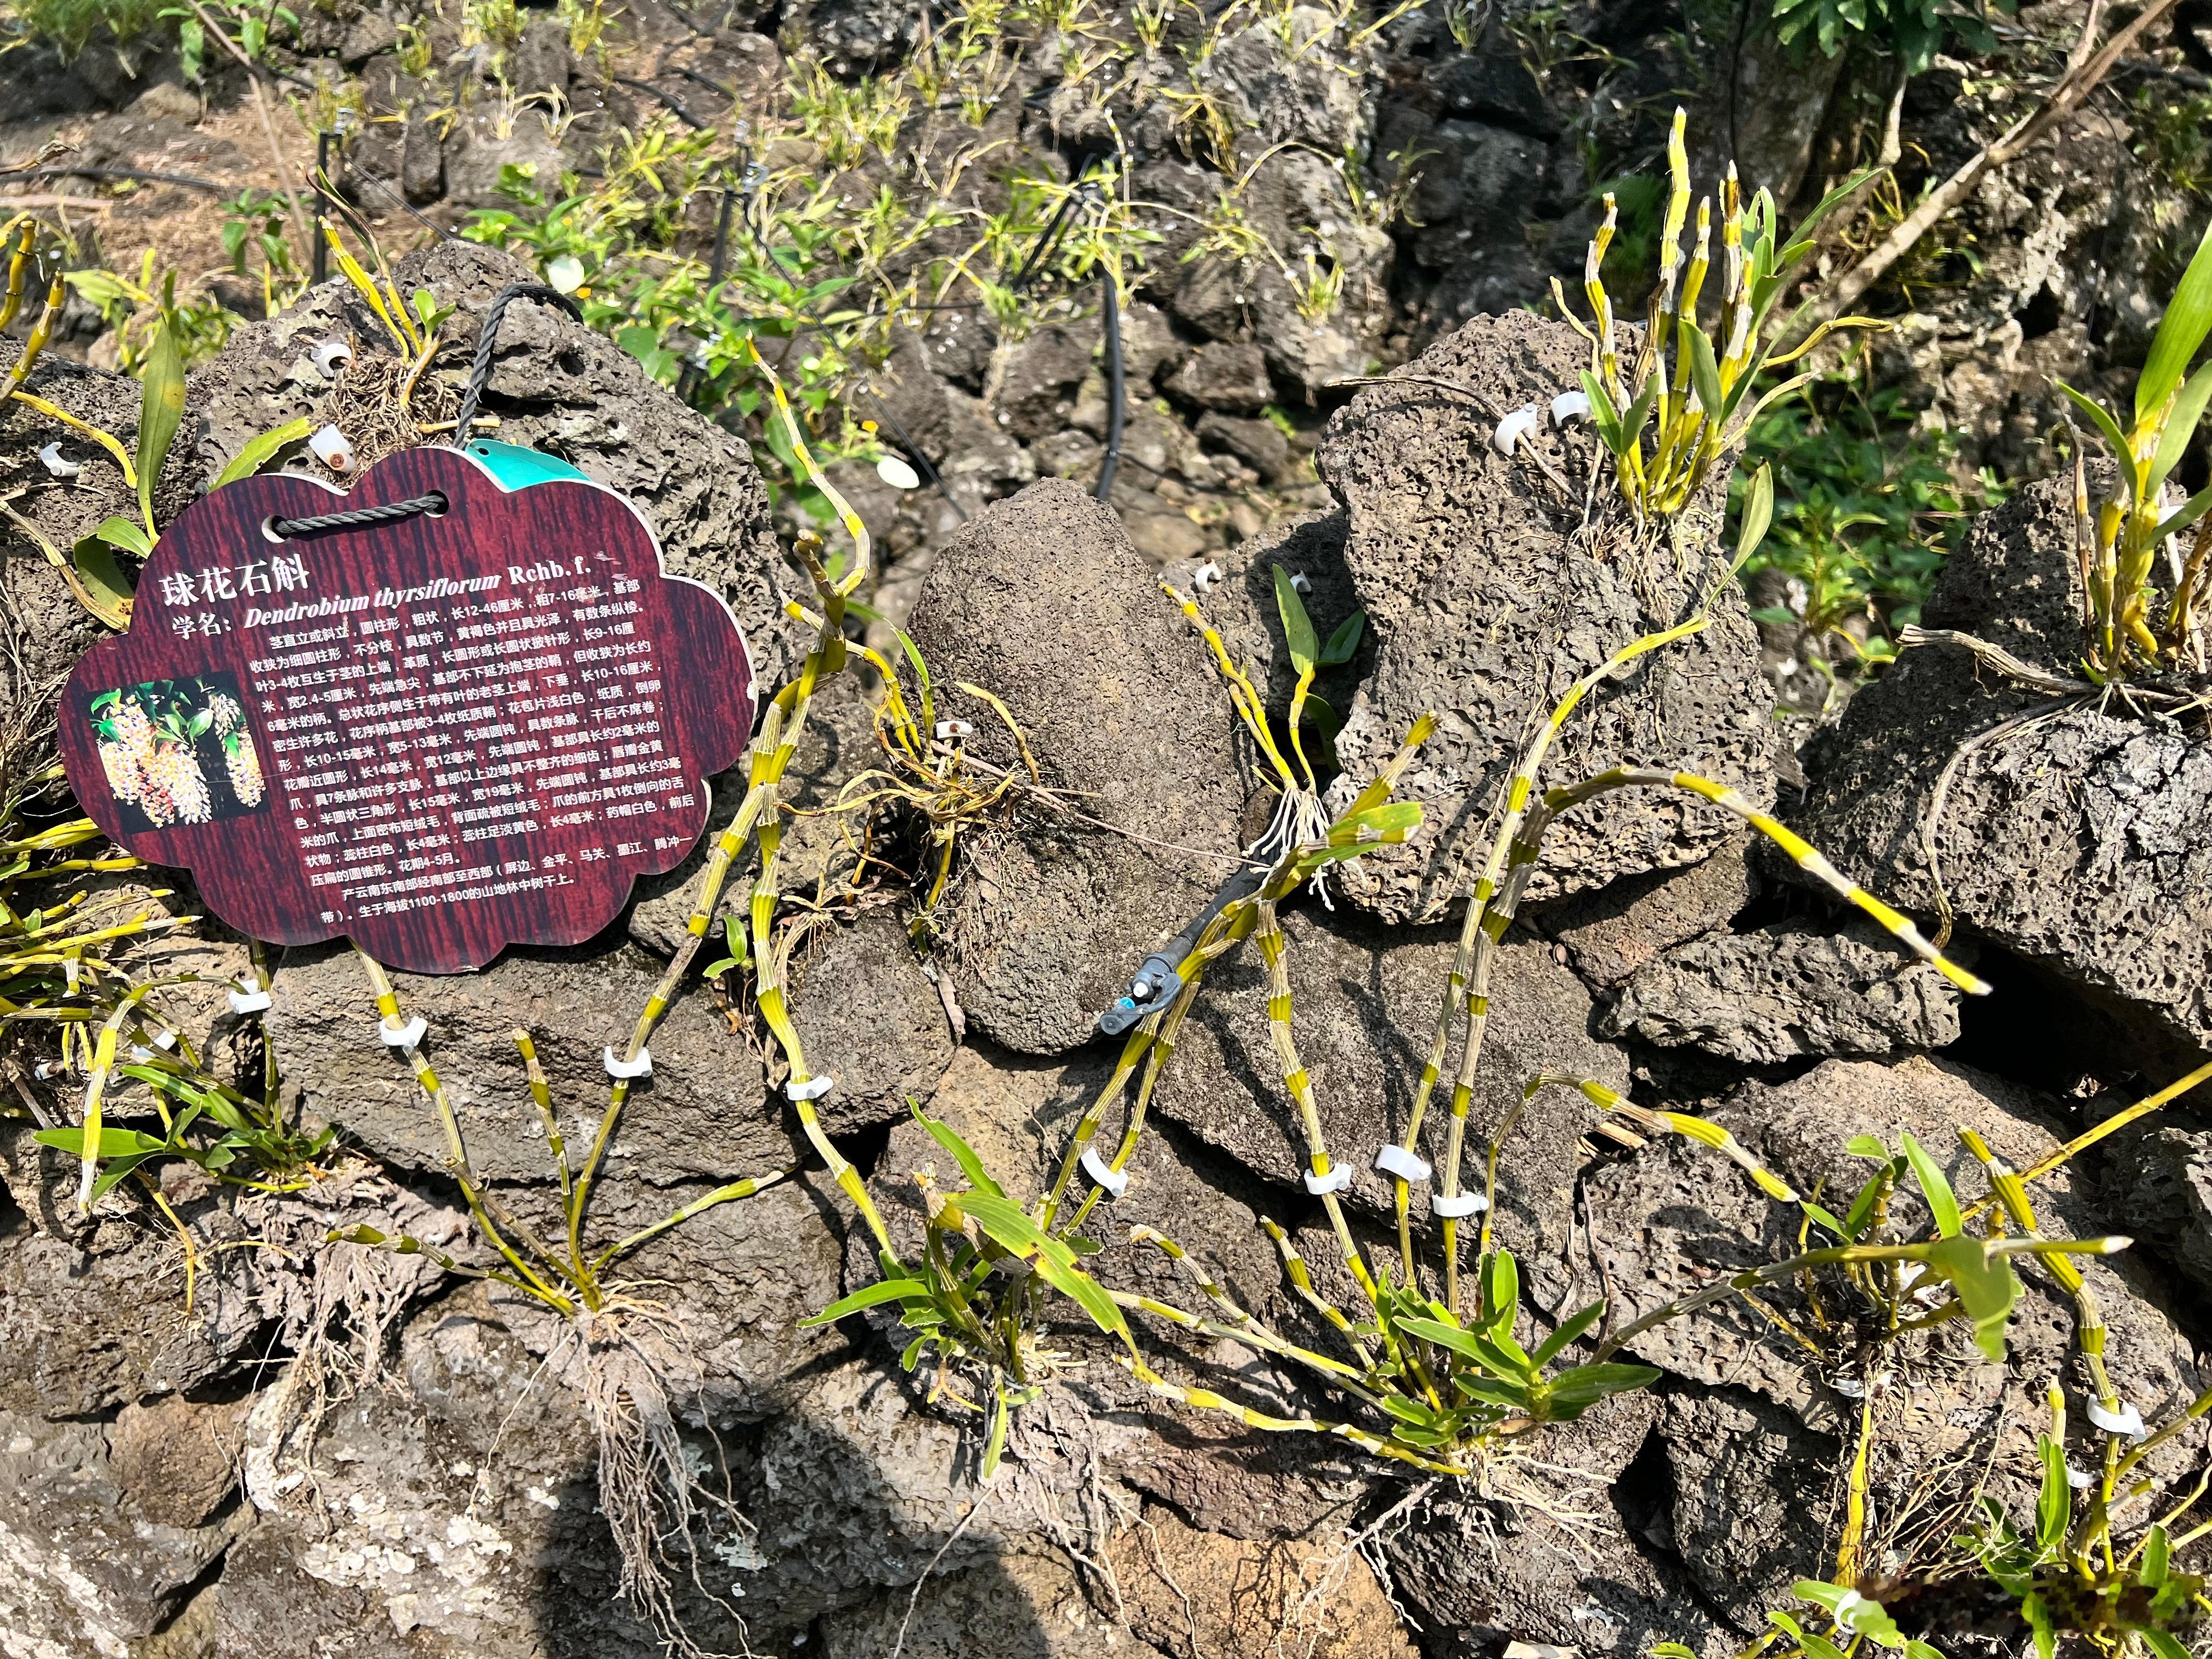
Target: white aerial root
point(629, 1360)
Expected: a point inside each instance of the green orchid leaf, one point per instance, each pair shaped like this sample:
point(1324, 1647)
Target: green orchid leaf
point(1603, 416)
point(1501, 1293)
point(1942, 1202)
point(1344, 644)
point(1984, 1285)
point(1509, 1366)
point(1704, 371)
point(1298, 627)
point(1556, 1343)
point(875, 1295)
point(1824, 1218)
point(2188, 319)
point(113, 1142)
point(2054, 1498)
point(996, 1447)
point(970, 1165)
point(1010, 1227)
point(161, 407)
point(1585, 1385)
point(2157, 1557)
point(2108, 429)
point(261, 448)
point(105, 585)
point(1758, 516)
point(2187, 513)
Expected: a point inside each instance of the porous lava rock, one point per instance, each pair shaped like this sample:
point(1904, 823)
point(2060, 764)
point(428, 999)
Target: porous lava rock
point(1488, 596)
point(870, 1018)
point(128, 1564)
point(1480, 1572)
point(704, 1113)
point(1041, 601)
point(1364, 1002)
point(1610, 933)
point(2162, 1180)
point(1795, 990)
point(2079, 837)
point(555, 386)
point(1192, 1594)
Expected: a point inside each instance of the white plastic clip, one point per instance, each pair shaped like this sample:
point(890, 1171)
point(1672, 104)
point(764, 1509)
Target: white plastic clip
point(2127, 1420)
point(1569, 406)
point(641, 1066)
point(1338, 1178)
point(1397, 1161)
point(953, 729)
point(1300, 582)
point(1452, 1208)
point(58, 464)
point(1204, 576)
point(247, 998)
point(332, 450)
point(2080, 1479)
point(1514, 428)
point(1116, 1181)
point(139, 1052)
point(408, 1036)
point(165, 1040)
point(813, 1089)
point(330, 356)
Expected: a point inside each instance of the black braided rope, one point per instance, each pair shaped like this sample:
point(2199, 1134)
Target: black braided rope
point(286, 529)
point(487, 336)
point(479, 373)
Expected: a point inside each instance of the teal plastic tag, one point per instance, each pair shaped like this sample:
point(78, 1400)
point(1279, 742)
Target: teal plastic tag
point(517, 468)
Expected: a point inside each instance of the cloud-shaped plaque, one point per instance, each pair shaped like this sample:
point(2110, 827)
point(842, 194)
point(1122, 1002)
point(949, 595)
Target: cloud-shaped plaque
point(438, 735)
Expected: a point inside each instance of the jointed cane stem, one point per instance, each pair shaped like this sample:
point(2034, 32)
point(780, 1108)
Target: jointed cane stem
point(1480, 933)
point(457, 1152)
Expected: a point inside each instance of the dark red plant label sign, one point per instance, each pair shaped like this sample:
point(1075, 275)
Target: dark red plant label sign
point(437, 736)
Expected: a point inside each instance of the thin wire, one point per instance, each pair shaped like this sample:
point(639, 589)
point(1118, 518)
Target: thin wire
point(126, 172)
point(667, 98)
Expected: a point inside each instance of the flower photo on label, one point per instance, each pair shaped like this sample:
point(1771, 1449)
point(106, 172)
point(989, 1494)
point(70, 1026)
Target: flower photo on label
point(178, 751)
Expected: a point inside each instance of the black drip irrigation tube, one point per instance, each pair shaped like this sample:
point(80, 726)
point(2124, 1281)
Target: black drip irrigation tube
point(320, 260)
point(1110, 304)
point(1109, 311)
point(132, 173)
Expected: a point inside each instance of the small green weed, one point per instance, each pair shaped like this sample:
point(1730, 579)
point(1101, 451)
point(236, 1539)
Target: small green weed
point(1866, 506)
point(1911, 31)
point(71, 25)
